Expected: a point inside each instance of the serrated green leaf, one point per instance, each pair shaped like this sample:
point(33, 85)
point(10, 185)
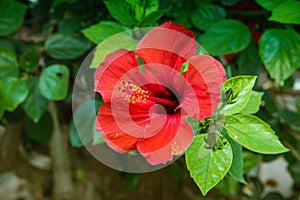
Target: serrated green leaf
point(253, 133)
point(40, 132)
point(236, 169)
point(35, 104)
point(101, 31)
point(54, 82)
point(279, 50)
point(287, 13)
point(269, 4)
point(143, 8)
point(298, 105)
point(8, 63)
point(13, 92)
point(224, 37)
point(206, 15)
point(242, 89)
point(29, 60)
point(65, 47)
point(11, 16)
point(122, 40)
point(83, 130)
point(253, 104)
point(207, 171)
point(152, 18)
point(121, 11)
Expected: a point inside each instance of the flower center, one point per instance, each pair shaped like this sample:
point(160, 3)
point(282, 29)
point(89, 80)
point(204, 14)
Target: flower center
point(158, 94)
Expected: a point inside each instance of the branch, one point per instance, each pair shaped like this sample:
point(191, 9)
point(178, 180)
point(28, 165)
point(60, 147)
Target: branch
point(293, 151)
point(63, 186)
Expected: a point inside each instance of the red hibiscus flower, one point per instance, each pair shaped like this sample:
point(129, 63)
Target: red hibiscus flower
point(145, 108)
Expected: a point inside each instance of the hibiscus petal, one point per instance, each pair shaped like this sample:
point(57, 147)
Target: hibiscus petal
point(111, 133)
point(183, 136)
point(111, 70)
point(169, 44)
point(206, 75)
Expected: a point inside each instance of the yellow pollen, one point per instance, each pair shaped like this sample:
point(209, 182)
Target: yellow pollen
point(132, 93)
point(176, 148)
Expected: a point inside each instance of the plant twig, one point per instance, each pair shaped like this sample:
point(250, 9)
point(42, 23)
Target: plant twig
point(63, 186)
point(293, 151)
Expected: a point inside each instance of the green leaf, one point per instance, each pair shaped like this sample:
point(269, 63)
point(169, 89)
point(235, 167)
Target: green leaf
point(30, 59)
point(250, 160)
point(207, 171)
point(83, 130)
point(8, 63)
point(287, 13)
point(279, 50)
point(207, 15)
point(54, 82)
point(40, 132)
point(68, 26)
point(101, 31)
point(253, 104)
point(230, 2)
point(249, 62)
point(143, 8)
point(121, 11)
point(13, 92)
point(35, 104)
point(253, 133)
point(241, 87)
point(65, 47)
point(11, 16)
point(236, 169)
point(152, 18)
point(224, 37)
point(122, 40)
point(269, 4)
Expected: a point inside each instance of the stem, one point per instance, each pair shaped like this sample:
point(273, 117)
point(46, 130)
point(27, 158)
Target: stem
point(293, 151)
point(63, 186)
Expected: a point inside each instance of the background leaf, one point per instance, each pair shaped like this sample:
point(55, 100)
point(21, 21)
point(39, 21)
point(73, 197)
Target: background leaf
point(83, 132)
point(223, 37)
point(210, 169)
point(207, 15)
point(253, 133)
point(8, 63)
point(40, 132)
point(269, 4)
point(101, 31)
point(54, 82)
point(279, 50)
point(13, 92)
point(35, 104)
point(287, 13)
point(11, 16)
point(29, 60)
point(65, 47)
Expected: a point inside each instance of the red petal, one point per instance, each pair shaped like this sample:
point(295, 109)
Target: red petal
point(111, 133)
point(169, 44)
point(206, 75)
point(111, 70)
point(178, 139)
